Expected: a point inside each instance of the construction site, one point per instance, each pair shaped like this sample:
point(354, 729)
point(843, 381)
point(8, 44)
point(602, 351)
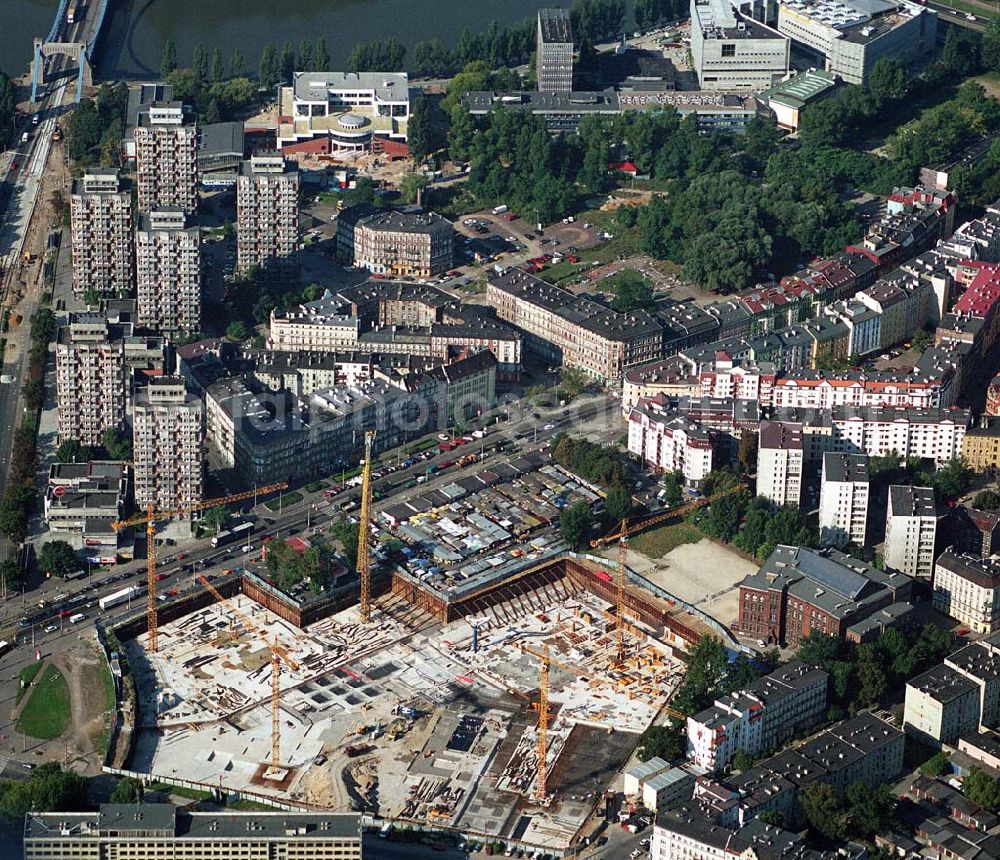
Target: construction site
point(500, 705)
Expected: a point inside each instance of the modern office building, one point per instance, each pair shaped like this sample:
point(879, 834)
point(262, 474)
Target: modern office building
point(554, 51)
point(90, 379)
point(401, 244)
point(267, 216)
point(168, 272)
point(758, 717)
point(101, 229)
point(910, 530)
point(849, 36)
point(324, 112)
point(166, 158)
point(967, 589)
point(167, 442)
point(733, 52)
point(843, 499)
point(161, 831)
point(779, 462)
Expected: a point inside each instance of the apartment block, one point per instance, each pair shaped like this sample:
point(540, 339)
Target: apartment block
point(168, 272)
point(732, 52)
point(843, 499)
point(161, 831)
point(798, 591)
point(166, 158)
point(758, 717)
point(687, 834)
point(981, 443)
point(81, 502)
point(967, 589)
point(400, 244)
point(779, 462)
point(91, 379)
point(167, 443)
point(554, 51)
point(668, 442)
point(959, 696)
point(101, 229)
point(574, 331)
point(910, 530)
point(267, 216)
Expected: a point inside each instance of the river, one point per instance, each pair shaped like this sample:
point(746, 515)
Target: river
point(136, 29)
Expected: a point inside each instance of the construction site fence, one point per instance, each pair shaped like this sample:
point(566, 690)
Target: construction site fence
point(116, 717)
point(640, 581)
point(213, 790)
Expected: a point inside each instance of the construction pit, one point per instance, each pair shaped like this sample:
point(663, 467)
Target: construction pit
point(407, 718)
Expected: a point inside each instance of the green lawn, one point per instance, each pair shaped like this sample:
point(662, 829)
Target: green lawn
point(249, 806)
point(422, 445)
point(283, 501)
point(27, 676)
point(980, 13)
point(47, 712)
point(180, 791)
point(657, 542)
point(316, 486)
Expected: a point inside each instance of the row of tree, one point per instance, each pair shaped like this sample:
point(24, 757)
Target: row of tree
point(96, 128)
point(8, 103)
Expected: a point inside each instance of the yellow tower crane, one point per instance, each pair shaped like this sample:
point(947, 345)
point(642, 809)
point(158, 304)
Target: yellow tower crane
point(150, 518)
point(279, 655)
point(621, 534)
point(364, 530)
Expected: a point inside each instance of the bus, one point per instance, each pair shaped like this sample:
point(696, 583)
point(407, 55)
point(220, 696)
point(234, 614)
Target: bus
point(119, 597)
point(243, 530)
point(5, 646)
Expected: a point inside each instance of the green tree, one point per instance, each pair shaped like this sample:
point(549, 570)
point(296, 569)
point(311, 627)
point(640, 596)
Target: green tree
point(215, 70)
point(287, 64)
point(574, 523)
point(237, 65)
point(474, 76)
point(631, 291)
point(268, 71)
point(986, 500)
point(420, 132)
point(982, 789)
point(774, 817)
point(742, 761)
point(819, 650)
point(71, 451)
point(960, 54)
point(666, 742)
point(747, 453)
point(823, 811)
point(989, 51)
point(216, 518)
point(618, 502)
point(168, 59)
point(12, 578)
point(349, 536)
point(952, 479)
point(117, 444)
point(48, 789)
point(128, 790)
point(305, 56)
point(57, 558)
point(888, 80)
point(412, 186)
point(321, 56)
point(237, 330)
point(869, 809)
point(922, 339)
point(707, 670)
point(8, 101)
point(199, 63)
point(936, 765)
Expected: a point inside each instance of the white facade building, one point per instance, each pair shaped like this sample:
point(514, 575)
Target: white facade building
point(843, 499)
point(267, 216)
point(668, 442)
point(779, 462)
point(967, 588)
point(554, 51)
point(166, 158)
point(910, 530)
point(101, 229)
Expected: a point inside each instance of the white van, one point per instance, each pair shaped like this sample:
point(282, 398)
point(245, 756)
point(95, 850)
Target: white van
point(76, 619)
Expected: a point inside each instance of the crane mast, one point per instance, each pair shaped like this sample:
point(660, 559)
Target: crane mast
point(364, 530)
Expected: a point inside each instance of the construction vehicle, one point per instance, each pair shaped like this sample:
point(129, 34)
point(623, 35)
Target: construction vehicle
point(149, 519)
point(14, 319)
point(364, 564)
point(28, 257)
point(626, 528)
point(279, 655)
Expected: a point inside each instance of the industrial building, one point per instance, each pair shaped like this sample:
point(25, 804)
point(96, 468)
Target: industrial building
point(161, 831)
point(849, 36)
point(732, 52)
point(554, 51)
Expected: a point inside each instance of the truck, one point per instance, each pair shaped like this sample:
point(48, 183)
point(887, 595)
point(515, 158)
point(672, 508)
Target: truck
point(243, 530)
point(77, 618)
point(119, 597)
point(499, 210)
